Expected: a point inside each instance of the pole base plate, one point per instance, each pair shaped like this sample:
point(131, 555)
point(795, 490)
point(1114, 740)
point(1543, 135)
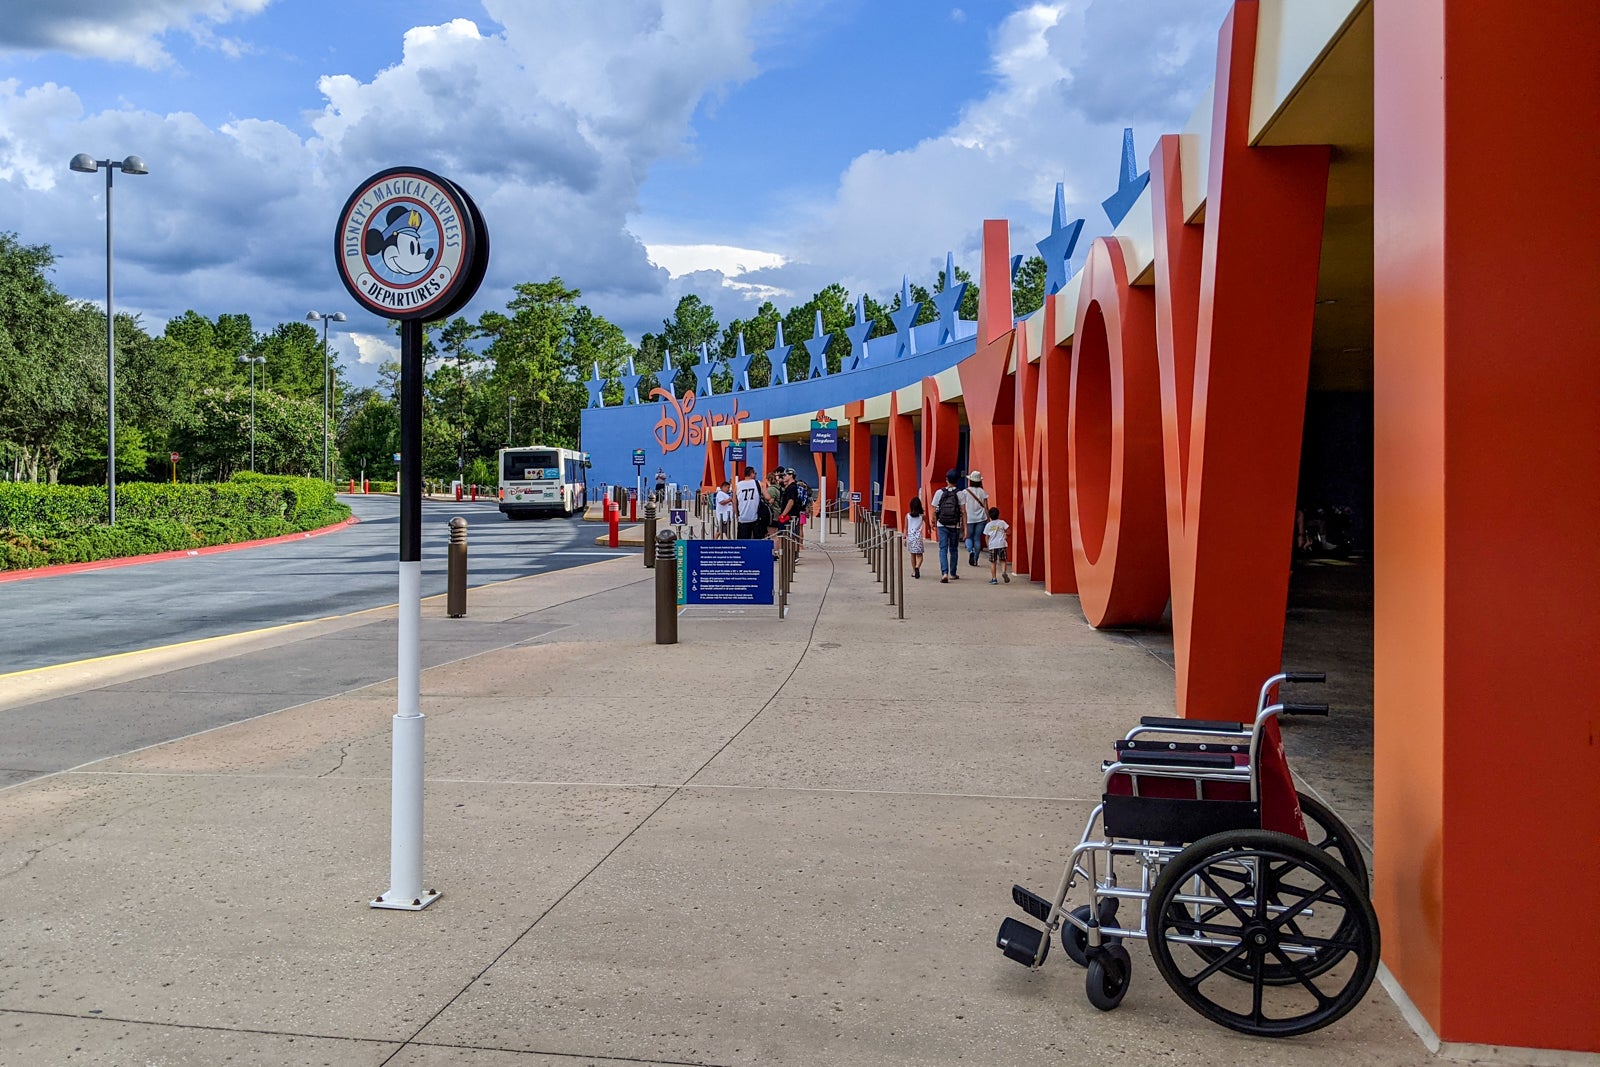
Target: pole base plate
point(394, 902)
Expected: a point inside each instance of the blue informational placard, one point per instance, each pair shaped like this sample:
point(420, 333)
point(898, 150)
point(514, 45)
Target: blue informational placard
point(855, 498)
point(680, 517)
point(638, 457)
point(736, 453)
point(726, 572)
point(824, 436)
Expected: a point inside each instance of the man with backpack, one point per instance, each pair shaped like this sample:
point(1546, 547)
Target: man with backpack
point(950, 514)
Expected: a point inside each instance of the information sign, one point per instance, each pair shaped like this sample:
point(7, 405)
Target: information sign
point(824, 436)
point(680, 517)
point(736, 453)
point(855, 498)
point(638, 457)
point(725, 572)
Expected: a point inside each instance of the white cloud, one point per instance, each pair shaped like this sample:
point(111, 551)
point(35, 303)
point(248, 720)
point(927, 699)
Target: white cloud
point(678, 260)
point(1069, 76)
point(373, 349)
point(128, 31)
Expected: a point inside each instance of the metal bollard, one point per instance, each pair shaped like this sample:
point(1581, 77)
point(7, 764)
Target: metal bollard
point(649, 532)
point(900, 567)
point(664, 548)
point(612, 518)
point(456, 570)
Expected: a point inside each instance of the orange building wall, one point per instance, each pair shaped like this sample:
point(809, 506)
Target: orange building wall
point(1487, 516)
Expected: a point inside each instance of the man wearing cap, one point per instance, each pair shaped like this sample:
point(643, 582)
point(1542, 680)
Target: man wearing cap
point(949, 513)
point(977, 502)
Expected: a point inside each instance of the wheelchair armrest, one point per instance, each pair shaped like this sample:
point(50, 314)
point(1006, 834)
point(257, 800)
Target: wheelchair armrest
point(1207, 726)
point(1197, 760)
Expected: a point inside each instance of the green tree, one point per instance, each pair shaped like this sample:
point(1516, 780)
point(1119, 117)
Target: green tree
point(533, 359)
point(1027, 288)
point(370, 434)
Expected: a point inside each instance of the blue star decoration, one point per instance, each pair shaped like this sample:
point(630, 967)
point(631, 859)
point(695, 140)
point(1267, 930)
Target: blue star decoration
point(630, 384)
point(666, 377)
point(817, 346)
point(857, 335)
point(739, 365)
point(1057, 248)
point(905, 343)
point(778, 356)
point(1130, 183)
point(596, 387)
point(703, 372)
point(948, 300)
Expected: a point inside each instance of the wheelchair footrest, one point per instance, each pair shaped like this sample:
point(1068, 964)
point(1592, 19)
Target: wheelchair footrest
point(1031, 903)
point(1022, 942)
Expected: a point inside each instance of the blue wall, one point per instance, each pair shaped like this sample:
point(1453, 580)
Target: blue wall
point(610, 434)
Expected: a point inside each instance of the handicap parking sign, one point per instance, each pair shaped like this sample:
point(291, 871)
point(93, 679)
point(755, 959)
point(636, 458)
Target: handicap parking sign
point(680, 516)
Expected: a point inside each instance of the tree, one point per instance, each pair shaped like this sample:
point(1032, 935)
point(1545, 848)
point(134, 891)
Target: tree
point(1027, 288)
point(533, 359)
point(371, 433)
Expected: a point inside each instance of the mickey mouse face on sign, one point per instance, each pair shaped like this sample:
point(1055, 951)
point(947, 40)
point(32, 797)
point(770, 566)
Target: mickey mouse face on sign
point(408, 243)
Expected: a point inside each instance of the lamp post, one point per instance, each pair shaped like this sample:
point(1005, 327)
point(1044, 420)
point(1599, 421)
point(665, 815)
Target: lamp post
point(254, 361)
point(314, 316)
point(87, 164)
point(511, 403)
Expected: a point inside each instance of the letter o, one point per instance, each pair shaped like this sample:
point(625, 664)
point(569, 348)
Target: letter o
point(1116, 479)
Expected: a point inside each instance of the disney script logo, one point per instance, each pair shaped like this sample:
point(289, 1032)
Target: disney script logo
point(676, 423)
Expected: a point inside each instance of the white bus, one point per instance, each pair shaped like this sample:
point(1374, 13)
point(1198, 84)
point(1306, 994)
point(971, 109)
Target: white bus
point(539, 480)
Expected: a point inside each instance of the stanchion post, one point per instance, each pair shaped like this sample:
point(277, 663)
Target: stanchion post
point(649, 533)
point(456, 570)
point(663, 546)
point(900, 566)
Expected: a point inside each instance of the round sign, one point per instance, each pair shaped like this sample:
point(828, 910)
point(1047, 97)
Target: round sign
point(410, 245)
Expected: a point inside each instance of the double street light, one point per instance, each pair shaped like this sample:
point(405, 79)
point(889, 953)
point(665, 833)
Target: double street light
point(254, 361)
point(324, 318)
point(87, 164)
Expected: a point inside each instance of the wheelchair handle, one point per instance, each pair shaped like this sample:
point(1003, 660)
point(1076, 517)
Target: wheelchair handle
point(1305, 709)
point(1305, 676)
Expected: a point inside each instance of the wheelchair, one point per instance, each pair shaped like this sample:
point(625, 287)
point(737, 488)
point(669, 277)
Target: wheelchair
point(1252, 896)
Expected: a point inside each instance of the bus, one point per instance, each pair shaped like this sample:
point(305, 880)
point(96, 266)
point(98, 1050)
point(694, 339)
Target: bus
point(542, 480)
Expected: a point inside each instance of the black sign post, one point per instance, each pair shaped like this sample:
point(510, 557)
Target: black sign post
point(411, 246)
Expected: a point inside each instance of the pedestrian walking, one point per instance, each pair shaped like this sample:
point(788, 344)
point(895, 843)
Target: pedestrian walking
point(995, 532)
point(949, 514)
point(914, 528)
point(661, 485)
point(977, 505)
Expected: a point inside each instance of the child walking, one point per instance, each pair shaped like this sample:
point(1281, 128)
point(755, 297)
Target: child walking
point(995, 534)
point(914, 523)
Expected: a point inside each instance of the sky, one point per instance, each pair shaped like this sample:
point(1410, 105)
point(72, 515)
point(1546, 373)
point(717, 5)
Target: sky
point(641, 150)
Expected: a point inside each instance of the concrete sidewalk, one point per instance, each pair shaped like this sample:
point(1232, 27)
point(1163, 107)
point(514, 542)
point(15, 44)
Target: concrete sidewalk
point(777, 842)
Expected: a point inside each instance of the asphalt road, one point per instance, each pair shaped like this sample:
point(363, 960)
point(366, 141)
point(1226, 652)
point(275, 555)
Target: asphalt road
point(69, 617)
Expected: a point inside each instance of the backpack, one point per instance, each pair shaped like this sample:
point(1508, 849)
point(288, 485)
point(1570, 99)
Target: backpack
point(803, 491)
point(949, 511)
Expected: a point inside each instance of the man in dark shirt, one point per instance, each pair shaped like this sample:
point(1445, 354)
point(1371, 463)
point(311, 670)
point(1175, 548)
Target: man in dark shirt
point(789, 508)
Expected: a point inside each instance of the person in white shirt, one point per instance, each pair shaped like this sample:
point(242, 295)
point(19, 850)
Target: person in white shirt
point(995, 533)
point(724, 512)
point(747, 493)
point(976, 501)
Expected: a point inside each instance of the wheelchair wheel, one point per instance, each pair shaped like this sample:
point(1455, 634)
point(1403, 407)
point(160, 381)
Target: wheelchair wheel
point(1075, 942)
point(1108, 977)
point(1328, 833)
point(1306, 949)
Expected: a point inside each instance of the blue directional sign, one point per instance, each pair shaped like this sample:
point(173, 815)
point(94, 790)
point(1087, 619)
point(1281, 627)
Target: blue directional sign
point(736, 453)
point(638, 457)
point(725, 572)
point(824, 436)
point(680, 517)
point(855, 498)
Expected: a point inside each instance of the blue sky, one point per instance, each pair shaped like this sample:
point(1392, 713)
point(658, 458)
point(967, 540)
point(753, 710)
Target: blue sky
point(642, 149)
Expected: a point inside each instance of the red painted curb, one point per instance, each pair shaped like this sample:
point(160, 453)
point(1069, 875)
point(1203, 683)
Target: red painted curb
point(155, 557)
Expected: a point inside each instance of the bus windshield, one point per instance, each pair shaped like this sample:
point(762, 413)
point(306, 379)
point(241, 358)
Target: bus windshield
point(530, 465)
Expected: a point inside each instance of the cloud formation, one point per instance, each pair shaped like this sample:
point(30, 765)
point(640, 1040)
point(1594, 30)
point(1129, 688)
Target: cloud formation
point(127, 31)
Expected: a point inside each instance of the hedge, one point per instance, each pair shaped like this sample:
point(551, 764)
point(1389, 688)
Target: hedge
point(47, 524)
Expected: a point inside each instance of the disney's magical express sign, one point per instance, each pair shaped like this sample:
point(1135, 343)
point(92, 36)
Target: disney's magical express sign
point(411, 245)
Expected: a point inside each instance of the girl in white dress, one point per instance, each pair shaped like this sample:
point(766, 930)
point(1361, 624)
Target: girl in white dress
point(914, 523)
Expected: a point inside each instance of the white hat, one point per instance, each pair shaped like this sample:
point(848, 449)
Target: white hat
point(975, 476)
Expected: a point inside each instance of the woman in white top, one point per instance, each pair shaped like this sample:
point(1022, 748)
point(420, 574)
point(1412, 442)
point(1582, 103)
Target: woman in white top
point(914, 524)
point(976, 502)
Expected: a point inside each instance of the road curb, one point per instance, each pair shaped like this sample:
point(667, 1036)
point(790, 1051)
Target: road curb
point(177, 553)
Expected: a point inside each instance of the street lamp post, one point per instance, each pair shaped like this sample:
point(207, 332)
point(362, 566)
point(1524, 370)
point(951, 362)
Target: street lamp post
point(314, 316)
point(87, 164)
point(254, 361)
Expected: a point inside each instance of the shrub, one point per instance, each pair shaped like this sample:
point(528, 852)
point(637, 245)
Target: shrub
point(45, 524)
